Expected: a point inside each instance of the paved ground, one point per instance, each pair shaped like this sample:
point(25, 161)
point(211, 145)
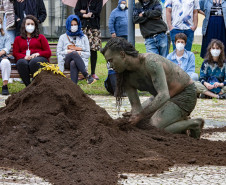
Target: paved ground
point(213, 111)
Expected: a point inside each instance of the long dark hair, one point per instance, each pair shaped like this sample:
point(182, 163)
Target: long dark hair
point(1, 30)
point(23, 32)
point(120, 44)
point(209, 57)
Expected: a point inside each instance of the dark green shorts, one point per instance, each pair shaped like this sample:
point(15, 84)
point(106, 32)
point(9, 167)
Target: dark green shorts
point(187, 99)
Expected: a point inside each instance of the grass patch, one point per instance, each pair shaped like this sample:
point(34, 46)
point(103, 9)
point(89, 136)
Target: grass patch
point(101, 70)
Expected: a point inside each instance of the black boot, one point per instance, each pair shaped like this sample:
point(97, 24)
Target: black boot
point(5, 90)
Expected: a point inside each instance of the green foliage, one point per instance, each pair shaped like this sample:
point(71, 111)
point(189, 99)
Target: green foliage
point(101, 70)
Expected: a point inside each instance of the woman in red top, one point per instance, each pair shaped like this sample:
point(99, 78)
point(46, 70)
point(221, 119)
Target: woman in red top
point(30, 48)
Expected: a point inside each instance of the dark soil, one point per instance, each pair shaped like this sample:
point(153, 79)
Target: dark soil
point(57, 132)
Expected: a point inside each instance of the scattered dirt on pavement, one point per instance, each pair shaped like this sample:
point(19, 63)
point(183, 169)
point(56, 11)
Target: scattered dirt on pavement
point(57, 132)
point(211, 130)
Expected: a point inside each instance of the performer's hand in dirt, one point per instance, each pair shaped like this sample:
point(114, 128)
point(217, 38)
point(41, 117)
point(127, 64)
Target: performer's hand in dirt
point(173, 92)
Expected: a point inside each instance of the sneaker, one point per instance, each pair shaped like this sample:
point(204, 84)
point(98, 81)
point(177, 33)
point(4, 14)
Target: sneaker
point(10, 81)
point(90, 80)
point(222, 96)
point(5, 90)
point(95, 76)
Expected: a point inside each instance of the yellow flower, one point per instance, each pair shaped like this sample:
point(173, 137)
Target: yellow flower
point(49, 67)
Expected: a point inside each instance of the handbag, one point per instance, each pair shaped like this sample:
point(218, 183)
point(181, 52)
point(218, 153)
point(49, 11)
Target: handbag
point(72, 46)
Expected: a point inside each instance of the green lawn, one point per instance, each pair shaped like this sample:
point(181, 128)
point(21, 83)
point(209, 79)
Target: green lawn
point(101, 70)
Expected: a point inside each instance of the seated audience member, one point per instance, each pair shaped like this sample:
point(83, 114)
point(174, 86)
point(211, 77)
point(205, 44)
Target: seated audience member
point(5, 66)
point(183, 58)
point(212, 81)
point(73, 50)
point(30, 48)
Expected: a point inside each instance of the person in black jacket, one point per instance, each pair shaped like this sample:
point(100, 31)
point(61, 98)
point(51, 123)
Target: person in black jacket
point(148, 14)
point(89, 13)
point(28, 7)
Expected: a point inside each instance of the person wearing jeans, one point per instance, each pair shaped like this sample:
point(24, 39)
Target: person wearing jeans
point(157, 44)
point(182, 17)
point(30, 48)
point(69, 58)
point(148, 14)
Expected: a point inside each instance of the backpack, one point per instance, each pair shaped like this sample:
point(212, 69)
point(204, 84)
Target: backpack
point(110, 82)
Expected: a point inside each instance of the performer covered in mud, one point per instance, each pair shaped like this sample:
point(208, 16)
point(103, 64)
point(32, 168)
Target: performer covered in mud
point(173, 92)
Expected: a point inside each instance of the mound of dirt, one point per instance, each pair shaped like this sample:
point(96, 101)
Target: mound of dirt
point(57, 132)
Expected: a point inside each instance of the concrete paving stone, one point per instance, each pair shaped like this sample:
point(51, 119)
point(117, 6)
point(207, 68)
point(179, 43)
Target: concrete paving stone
point(191, 175)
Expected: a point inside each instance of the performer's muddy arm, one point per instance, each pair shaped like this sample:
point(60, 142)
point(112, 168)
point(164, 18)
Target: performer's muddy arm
point(156, 71)
point(134, 100)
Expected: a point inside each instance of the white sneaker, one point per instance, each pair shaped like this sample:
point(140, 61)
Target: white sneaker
point(16, 79)
point(10, 81)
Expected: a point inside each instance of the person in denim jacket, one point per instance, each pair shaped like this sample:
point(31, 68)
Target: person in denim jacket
point(212, 81)
point(214, 24)
point(183, 58)
point(118, 20)
point(148, 14)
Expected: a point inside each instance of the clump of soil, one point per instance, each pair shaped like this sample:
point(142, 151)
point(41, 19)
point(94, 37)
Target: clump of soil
point(54, 130)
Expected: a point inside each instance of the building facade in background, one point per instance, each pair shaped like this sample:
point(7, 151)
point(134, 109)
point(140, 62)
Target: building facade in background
point(57, 14)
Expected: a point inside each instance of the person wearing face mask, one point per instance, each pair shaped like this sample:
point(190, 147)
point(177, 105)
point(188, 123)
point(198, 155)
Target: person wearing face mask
point(212, 81)
point(30, 48)
point(183, 58)
point(214, 24)
point(148, 14)
point(118, 20)
point(5, 66)
point(71, 58)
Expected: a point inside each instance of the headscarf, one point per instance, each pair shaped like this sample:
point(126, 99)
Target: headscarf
point(68, 26)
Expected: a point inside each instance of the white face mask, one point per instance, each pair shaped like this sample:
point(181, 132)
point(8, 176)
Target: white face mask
point(30, 28)
point(215, 52)
point(74, 28)
point(122, 6)
point(180, 46)
point(0, 26)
